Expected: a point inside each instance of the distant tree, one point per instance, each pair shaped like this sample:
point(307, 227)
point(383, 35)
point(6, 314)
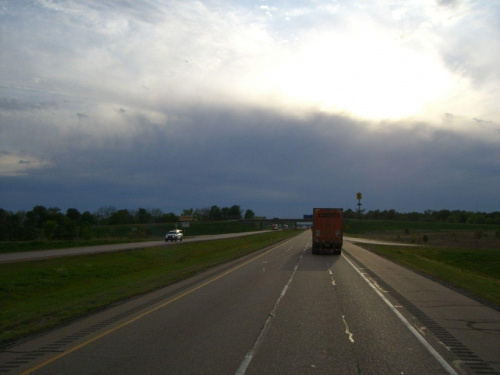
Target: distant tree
point(428, 215)
point(54, 213)
point(391, 214)
point(349, 214)
point(103, 214)
point(457, 217)
point(133, 213)
point(67, 229)
point(224, 213)
point(87, 218)
point(187, 212)
point(169, 218)
point(215, 213)
point(49, 229)
point(85, 225)
point(121, 217)
point(37, 216)
point(156, 214)
point(11, 226)
point(142, 216)
point(234, 212)
point(201, 213)
point(73, 214)
point(442, 215)
point(452, 219)
point(413, 216)
point(249, 214)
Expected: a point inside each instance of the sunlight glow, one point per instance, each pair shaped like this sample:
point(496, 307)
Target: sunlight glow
point(364, 74)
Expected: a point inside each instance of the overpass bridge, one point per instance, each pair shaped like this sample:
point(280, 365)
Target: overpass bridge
point(292, 222)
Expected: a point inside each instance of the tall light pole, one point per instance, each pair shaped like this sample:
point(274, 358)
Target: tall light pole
point(359, 196)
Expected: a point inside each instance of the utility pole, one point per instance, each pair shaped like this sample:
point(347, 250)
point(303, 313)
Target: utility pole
point(359, 196)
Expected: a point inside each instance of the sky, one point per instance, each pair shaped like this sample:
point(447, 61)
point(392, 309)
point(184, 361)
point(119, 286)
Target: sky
point(276, 106)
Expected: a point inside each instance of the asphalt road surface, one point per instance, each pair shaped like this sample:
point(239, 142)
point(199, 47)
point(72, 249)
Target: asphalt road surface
point(279, 311)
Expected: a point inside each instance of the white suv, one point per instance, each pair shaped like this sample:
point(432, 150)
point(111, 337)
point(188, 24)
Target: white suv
point(174, 235)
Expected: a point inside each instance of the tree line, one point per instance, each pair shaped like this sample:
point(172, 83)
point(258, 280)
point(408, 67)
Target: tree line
point(443, 216)
point(53, 224)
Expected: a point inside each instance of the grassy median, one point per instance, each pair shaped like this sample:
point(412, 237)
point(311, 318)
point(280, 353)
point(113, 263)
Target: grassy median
point(476, 271)
point(38, 295)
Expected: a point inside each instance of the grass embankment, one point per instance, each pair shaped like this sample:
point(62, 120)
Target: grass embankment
point(476, 271)
point(20, 246)
point(112, 234)
point(483, 236)
point(39, 295)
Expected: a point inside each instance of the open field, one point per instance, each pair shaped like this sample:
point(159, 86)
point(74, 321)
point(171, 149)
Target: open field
point(38, 295)
point(427, 233)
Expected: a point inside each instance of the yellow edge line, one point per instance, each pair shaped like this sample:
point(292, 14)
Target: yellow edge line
point(168, 302)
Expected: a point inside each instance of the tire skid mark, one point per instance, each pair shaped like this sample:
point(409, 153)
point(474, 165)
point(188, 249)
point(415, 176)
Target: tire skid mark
point(347, 331)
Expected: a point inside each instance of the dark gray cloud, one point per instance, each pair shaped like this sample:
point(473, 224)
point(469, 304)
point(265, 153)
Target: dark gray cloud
point(275, 164)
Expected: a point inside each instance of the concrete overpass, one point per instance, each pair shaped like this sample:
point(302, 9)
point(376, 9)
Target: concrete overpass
point(292, 222)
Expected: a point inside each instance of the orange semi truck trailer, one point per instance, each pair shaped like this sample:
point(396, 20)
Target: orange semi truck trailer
point(327, 235)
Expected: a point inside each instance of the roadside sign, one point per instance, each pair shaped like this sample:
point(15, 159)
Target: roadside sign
point(359, 196)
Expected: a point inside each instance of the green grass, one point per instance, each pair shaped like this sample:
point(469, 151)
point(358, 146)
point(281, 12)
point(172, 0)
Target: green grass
point(20, 246)
point(472, 270)
point(354, 227)
point(38, 295)
point(111, 234)
point(360, 227)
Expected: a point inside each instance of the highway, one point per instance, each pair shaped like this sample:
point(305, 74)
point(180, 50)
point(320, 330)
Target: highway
point(281, 310)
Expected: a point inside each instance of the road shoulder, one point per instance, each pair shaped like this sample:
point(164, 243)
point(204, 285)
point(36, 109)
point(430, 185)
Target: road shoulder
point(462, 329)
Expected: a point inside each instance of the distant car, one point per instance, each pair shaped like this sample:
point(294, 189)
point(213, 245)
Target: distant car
point(174, 235)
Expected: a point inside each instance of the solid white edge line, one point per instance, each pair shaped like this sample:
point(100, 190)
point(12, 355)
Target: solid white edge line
point(412, 329)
